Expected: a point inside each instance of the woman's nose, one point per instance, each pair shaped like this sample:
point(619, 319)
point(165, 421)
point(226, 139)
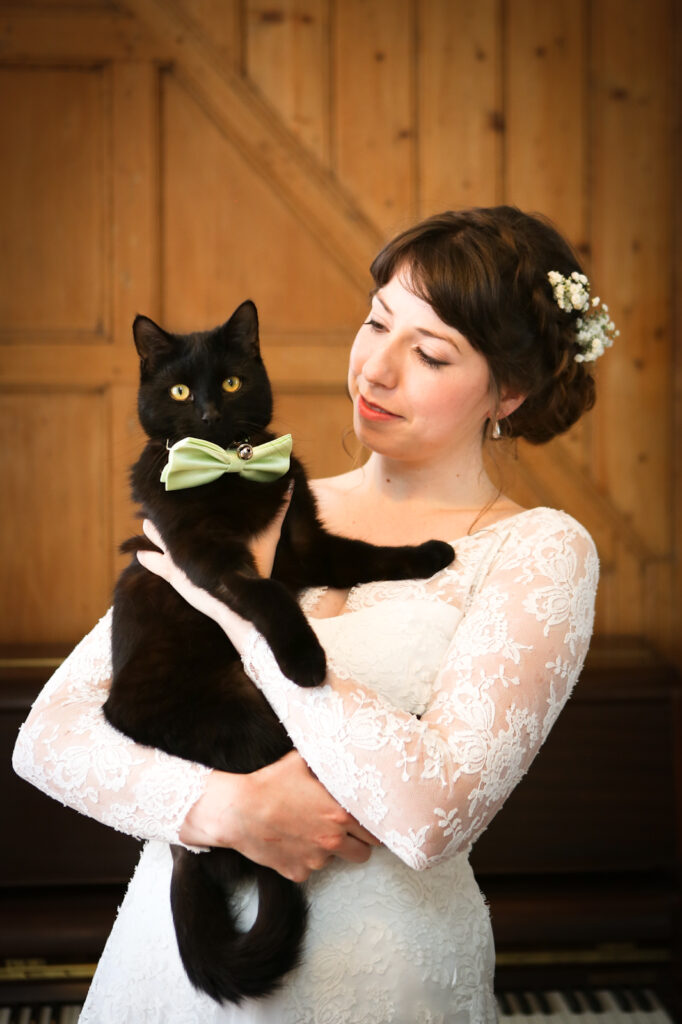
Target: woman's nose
point(381, 366)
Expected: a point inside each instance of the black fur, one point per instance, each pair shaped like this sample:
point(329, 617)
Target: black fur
point(178, 684)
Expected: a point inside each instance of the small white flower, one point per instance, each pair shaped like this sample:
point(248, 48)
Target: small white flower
point(596, 331)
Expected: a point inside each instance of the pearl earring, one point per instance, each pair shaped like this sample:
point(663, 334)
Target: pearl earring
point(496, 433)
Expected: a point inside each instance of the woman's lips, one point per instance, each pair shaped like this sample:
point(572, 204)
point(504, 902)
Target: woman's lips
point(370, 411)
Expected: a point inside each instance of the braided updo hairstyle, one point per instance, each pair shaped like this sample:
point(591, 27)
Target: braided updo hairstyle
point(484, 272)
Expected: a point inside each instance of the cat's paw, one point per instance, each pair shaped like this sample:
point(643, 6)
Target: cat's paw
point(301, 658)
point(432, 556)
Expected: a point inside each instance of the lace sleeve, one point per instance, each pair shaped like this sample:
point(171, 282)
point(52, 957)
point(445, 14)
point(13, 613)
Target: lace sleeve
point(428, 786)
point(67, 749)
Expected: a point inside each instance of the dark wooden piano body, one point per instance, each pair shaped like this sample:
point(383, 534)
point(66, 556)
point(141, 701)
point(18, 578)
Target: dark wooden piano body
point(581, 867)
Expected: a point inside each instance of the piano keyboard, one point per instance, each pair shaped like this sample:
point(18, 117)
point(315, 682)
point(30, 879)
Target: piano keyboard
point(40, 1014)
point(601, 1006)
point(621, 1006)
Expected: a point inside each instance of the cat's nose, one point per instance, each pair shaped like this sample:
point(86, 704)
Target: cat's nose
point(210, 413)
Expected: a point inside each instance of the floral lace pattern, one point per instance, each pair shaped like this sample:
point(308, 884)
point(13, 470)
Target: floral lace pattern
point(67, 749)
point(438, 696)
point(428, 786)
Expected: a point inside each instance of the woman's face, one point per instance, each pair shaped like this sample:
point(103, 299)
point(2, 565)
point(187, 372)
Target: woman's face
point(419, 389)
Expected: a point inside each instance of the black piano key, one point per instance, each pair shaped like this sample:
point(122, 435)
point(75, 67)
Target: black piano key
point(504, 1004)
point(524, 1005)
point(623, 999)
point(593, 1003)
point(543, 1003)
point(643, 1000)
point(572, 1001)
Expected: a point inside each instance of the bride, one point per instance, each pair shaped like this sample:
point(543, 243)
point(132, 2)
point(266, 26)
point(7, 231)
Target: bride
point(439, 692)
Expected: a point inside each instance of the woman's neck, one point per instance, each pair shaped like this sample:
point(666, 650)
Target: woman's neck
point(446, 485)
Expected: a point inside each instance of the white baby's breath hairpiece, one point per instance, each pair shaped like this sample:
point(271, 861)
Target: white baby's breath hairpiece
point(595, 330)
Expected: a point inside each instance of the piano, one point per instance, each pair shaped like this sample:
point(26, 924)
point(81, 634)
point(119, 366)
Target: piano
point(581, 868)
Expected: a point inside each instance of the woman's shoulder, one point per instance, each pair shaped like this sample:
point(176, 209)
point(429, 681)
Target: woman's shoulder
point(542, 523)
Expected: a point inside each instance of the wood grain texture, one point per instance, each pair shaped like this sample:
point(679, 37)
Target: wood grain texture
point(53, 122)
point(459, 95)
point(56, 540)
point(374, 107)
point(174, 157)
point(288, 59)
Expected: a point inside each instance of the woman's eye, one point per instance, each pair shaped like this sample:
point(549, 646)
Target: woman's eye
point(374, 324)
point(231, 384)
point(429, 360)
point(180, 392)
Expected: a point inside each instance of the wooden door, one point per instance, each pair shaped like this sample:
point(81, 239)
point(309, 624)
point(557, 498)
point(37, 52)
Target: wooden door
point(173, 157)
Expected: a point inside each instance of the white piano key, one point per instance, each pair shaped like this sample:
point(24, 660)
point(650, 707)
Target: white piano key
point(5, 1015)
point(516, 1016)
point(626, 1016)
point(44, 1015)
point(24, 1015)
point(535, 1016)
point(659, 1015)
point(562, 1012)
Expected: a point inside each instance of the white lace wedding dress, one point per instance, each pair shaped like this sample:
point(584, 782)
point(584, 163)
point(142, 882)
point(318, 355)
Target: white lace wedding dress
point(439, 694)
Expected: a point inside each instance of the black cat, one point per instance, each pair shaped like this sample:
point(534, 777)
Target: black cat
point(178, 683)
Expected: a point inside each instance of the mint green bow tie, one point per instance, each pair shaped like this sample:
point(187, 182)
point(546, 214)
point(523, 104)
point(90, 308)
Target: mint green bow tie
point(193, 462)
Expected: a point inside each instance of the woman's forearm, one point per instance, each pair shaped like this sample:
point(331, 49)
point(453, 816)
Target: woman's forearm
point(67, 749)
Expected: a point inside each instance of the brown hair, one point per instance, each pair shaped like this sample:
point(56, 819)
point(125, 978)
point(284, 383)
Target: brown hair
point(484, 272)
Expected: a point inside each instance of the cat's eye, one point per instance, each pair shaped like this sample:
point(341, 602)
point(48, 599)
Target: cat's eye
point(180, 392)
point(231, 384)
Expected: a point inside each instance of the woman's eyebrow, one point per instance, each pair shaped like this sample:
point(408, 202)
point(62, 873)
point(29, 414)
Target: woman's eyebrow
point(420, 330)
point(432, 334)
point(386, 307)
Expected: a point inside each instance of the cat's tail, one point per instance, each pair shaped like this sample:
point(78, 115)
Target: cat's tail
point(220, 958)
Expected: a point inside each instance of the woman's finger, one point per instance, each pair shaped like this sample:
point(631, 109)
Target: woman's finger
point(153, 534)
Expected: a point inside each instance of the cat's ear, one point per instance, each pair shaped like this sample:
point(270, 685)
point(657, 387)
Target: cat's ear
point(151, 341)
point(242, 327)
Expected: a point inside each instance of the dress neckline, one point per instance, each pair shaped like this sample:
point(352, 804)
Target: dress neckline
point(500, 522)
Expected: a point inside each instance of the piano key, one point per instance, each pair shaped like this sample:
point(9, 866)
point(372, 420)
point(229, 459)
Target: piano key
point(503, 1004)
point(5, 1015)
point(530, 1005)
point(543, 1003)
point(588, 1002)
point(592, 1001)
point(618, 1000)
point(657, 1013)
point(44, 1015)
point(582, 1006)
point(69, 1014)
point(560, 1011)
point(515, 1013)
point(24, 1015)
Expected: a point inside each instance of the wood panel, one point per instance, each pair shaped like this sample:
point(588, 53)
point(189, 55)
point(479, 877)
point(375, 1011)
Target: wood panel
point(321, 424)
point(173, 157)
point(288, 59)
point(545, 96)
point(228, 236)
point(632, 246)
point(56, 544)
point(374, 117)
point(53, 122)
point(459, 96)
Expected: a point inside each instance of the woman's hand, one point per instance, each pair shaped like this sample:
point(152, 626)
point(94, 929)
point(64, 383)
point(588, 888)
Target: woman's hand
point(279, 816)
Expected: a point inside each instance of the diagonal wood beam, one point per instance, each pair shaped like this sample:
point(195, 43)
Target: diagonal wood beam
point(552, 471)
point(310, 190)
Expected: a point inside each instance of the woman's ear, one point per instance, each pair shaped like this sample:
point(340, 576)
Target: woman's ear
point(509, 403)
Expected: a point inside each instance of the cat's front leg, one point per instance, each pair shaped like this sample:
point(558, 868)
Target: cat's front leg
point(341, 562)
point(227, 571)
point(274, 612)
